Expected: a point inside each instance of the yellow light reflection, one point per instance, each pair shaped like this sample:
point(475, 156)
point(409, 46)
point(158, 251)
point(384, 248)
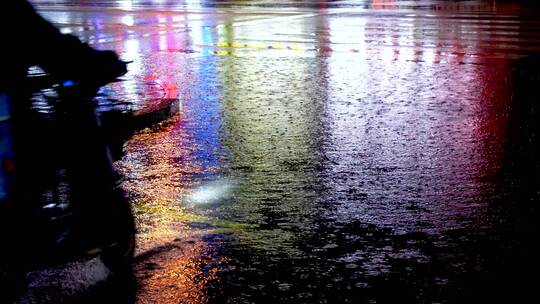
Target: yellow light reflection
point(178, 275)
point(158, 170)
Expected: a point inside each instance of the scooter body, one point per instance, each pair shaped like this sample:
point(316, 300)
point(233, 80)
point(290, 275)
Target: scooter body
point(60, 198)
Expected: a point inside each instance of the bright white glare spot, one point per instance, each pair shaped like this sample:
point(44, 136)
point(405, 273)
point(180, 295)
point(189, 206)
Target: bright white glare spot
point(429, 55)
point(211, 193)
point(387, 54)
point(163, 44)
point(128, 4)
point(196, 34)
point(66, 30)
point(406, 54)
point(131, 49)
point(128, 20)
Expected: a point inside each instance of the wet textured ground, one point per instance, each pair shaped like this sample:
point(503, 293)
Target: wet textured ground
point(326, 151)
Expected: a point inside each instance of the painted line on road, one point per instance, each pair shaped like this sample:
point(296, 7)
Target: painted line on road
point(262, 46)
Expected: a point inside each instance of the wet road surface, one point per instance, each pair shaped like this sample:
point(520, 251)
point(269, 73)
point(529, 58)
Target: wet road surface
point(326, 151)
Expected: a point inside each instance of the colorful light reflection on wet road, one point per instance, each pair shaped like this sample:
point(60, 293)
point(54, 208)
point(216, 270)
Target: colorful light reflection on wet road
point(338, 151)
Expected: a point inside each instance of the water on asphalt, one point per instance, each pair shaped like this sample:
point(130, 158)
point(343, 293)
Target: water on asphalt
point(327, 152)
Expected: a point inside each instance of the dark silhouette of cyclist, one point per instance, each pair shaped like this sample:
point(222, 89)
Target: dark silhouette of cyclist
point(31, 40)
point(34, 152)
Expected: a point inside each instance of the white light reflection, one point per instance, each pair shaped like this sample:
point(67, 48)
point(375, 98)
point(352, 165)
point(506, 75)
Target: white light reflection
point(350, 34)
point(163, 44)
point(196, 33)
point(406, 54)
point(131, 53)
point(127, 4)
point(66, 30)
point(211, 194)
point(128, 20)
point(202, 36)
point(428, 55)
point(193, 2)
point(163, 22)
point(60, 18)
point(387, 54)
